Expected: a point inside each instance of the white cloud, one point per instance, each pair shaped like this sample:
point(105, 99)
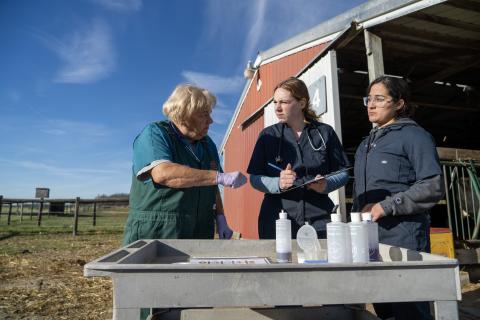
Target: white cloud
point(227, 20)
point(87, 55)
point(60, 127)
point(256, 15)
point(121, 5)
point(264, 23)
point(55, 132)
point(214, 83)
point(279, 24)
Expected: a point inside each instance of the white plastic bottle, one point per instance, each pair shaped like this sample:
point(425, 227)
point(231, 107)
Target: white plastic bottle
point(372, 228)
point(359, 238)
point(283, 238)
point(338, 241)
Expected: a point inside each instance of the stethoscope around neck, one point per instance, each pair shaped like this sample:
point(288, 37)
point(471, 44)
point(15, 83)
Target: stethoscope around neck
point(323, 146)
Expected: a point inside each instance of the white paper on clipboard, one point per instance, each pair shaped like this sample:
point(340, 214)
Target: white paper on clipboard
point(315, 179)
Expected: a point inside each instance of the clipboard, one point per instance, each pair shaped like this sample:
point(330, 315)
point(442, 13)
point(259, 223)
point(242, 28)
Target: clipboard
point(315, 180)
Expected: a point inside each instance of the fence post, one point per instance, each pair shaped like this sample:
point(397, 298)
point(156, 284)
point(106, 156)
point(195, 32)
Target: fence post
point(31, 211)
point(1, 205)
point(9, 212)
point(75, 218)
point(39, 223)
point(21, 211)
point(94, 213)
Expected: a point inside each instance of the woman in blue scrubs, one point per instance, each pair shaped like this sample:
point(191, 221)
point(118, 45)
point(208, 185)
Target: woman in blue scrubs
point(297, 149)
point(397, 178)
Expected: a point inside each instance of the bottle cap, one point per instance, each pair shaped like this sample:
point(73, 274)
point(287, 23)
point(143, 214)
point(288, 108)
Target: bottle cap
point(355, 216)
point(335, 217)
point(283, 214)
point(367, 216)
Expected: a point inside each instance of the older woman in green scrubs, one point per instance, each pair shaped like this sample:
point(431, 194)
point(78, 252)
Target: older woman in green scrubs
point(176, 170)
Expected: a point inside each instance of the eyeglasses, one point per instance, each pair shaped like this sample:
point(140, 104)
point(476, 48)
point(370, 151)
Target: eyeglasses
point(378, 101)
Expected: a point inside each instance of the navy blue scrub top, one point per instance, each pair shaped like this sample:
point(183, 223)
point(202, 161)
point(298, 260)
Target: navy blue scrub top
point(301, 204)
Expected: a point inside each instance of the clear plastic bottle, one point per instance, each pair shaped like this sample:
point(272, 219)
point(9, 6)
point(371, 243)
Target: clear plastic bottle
point(372, 227)
point(338, 241)
point(359, 238)
point(283, 238)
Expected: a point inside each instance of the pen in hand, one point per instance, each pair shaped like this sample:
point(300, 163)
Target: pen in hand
point(274, 166)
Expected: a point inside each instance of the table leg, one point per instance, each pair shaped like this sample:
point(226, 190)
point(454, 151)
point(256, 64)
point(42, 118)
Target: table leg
point(446, 310)
point(126, 314)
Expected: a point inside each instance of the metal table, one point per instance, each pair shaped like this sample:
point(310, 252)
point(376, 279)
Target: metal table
point(156, 274)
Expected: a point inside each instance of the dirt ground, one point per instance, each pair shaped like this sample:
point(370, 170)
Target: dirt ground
point(469, 307)
point(41, 277)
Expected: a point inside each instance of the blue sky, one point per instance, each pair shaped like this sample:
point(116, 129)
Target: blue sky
point(79, 79)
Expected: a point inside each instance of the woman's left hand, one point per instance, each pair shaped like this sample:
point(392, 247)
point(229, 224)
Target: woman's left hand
point(318, 186)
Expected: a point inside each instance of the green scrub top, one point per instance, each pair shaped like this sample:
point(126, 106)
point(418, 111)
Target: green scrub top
point(160, 212)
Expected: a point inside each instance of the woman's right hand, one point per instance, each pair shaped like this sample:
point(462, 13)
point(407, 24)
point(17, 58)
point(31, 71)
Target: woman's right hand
point(287, 177)
point(375, 209)
point(367, 207)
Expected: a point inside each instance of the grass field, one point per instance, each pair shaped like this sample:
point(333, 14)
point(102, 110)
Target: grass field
point(108, 220)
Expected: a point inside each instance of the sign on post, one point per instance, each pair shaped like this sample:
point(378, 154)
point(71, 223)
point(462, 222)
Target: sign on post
point(318, 95)
point(42, 192)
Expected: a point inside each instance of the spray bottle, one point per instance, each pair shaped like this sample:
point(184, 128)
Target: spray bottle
point(283, 238)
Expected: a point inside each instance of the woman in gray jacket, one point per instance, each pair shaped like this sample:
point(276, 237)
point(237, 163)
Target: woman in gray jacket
point(398, 178)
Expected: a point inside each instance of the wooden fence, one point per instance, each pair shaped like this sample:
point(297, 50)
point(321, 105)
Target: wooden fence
point(72, 204)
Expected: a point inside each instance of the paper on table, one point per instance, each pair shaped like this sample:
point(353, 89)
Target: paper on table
point(232, 260)
point(316, 179)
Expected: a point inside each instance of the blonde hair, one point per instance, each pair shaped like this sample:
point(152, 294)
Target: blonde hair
point(187, 100)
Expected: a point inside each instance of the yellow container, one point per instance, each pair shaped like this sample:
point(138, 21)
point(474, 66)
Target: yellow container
point(441, 242)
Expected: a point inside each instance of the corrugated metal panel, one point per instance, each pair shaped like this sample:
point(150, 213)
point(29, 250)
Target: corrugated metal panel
point(243, 205)
point(438, 29)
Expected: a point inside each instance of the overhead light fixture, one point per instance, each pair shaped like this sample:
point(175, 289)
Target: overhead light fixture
point(249, 70)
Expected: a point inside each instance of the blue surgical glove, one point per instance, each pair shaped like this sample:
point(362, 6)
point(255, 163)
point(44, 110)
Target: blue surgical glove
point(231, 179)
point(224, 231)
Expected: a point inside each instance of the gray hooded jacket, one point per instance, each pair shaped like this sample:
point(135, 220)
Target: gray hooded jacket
point(398, 167)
